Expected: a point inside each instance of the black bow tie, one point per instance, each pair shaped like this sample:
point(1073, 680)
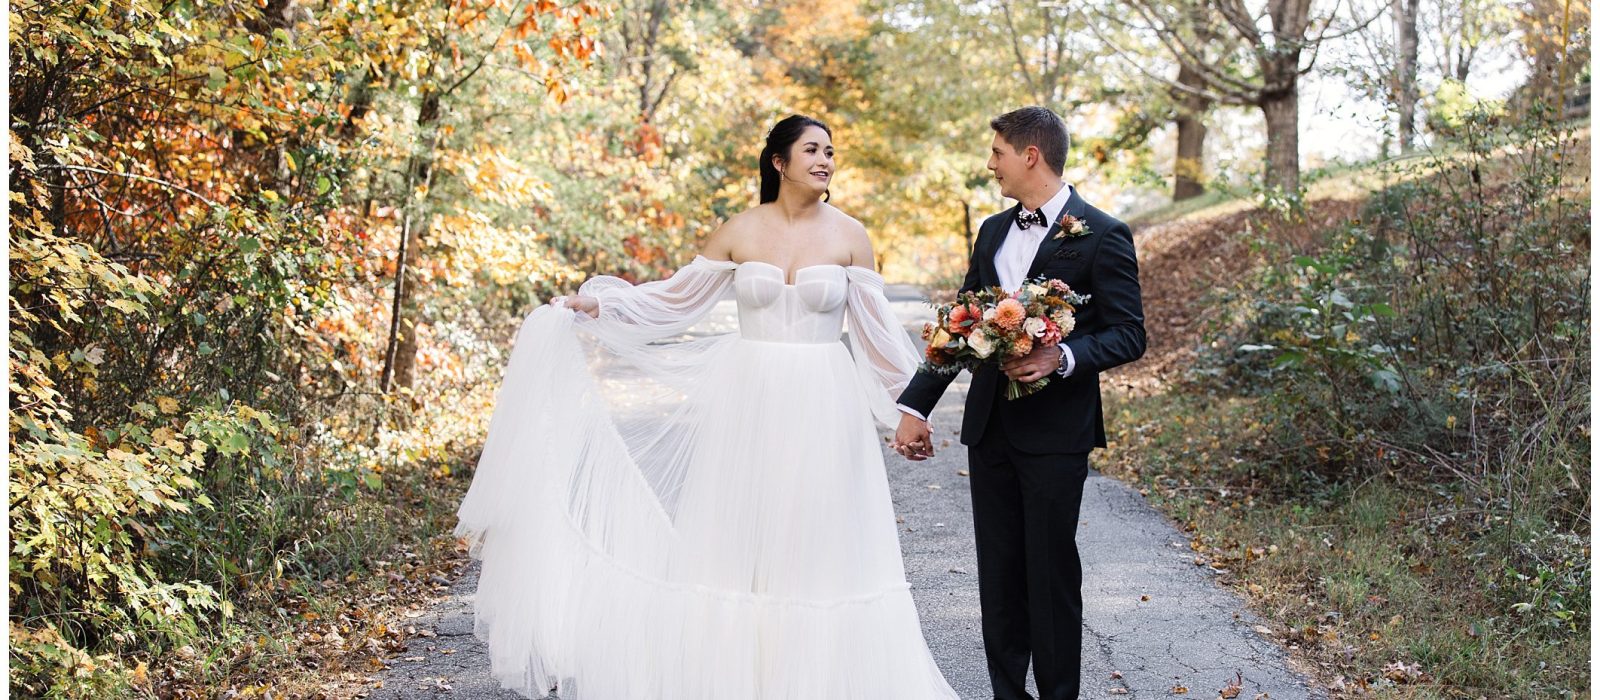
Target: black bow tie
point(1029, 218)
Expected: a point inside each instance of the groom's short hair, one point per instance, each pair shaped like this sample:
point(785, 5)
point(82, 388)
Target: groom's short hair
point(1038, 127)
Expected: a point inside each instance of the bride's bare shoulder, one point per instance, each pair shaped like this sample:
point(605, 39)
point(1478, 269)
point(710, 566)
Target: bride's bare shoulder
point(722, 242)
point(843, 223)
point(852, 234)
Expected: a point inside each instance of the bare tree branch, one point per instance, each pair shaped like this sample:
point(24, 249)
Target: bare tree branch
point(1189, 55)
point(1016, 48)
point(1216, 95)
point(132, 176)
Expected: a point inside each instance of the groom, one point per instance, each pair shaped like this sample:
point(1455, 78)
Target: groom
point(1029, 457)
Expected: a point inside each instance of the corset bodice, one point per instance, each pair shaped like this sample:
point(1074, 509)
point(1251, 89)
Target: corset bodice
point(809, 311)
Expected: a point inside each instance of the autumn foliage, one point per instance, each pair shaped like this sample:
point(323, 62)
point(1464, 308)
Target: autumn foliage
point(204, 208)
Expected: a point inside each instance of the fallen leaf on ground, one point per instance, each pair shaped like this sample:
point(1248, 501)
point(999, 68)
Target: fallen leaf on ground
point(1233, 688)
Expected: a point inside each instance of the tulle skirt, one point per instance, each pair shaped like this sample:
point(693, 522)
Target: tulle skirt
point(737, 542)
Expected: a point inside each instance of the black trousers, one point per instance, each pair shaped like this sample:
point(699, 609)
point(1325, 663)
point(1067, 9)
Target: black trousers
point(1025, 515)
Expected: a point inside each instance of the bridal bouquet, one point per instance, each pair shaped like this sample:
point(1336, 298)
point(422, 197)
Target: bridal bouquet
point(991, 325)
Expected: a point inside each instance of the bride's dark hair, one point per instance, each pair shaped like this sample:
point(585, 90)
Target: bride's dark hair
point(779, 140)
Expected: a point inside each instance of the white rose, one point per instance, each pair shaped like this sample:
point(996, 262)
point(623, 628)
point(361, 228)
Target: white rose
point(988, 314)
point(1036, 289)
point(981, 345)
point(1034, 326)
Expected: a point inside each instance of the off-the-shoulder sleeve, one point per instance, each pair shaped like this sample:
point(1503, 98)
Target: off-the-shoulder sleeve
point(664, 307)
point(885, 357)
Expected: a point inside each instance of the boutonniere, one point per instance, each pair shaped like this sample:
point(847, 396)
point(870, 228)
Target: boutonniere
point(1071, 227)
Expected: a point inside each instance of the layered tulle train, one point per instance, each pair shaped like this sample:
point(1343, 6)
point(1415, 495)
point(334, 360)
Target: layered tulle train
point(719, 530)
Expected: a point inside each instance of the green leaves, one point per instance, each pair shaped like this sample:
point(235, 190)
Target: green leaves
point(249, 245)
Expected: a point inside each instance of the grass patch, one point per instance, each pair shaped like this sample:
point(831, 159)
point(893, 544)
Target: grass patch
point(1392, 586)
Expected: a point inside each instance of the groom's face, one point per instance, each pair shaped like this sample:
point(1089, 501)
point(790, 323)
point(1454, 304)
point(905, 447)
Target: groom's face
point(1010, 167)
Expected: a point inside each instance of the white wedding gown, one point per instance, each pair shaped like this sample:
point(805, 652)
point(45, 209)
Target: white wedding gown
point(665, 514)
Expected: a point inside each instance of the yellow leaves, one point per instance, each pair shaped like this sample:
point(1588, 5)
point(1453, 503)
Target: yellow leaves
point(167, 404)
point(127, 306)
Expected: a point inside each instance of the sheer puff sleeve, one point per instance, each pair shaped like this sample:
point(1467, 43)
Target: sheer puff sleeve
point(663, 308)
point(885, 357)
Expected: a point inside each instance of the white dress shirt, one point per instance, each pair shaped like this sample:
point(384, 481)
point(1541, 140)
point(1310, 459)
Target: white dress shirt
point(1014, 258)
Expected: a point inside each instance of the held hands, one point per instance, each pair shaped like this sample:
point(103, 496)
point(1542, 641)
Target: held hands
point(914, 439)
point(588, 305)
point(1036, 365)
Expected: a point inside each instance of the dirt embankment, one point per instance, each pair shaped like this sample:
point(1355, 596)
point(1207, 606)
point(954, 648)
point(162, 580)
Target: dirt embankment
point(1182, 260)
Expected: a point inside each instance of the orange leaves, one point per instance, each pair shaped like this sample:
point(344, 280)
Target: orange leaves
point(528, 26)
point(555, 87)
point(647, 142)
point(581, 48)
point(524, 56)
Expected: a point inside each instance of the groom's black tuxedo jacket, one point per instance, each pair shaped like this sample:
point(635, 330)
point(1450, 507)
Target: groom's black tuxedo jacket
point(1064, 417)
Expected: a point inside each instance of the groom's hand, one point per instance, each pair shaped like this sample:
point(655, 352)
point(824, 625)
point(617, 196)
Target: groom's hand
point(1035, 365)
point(913, 439)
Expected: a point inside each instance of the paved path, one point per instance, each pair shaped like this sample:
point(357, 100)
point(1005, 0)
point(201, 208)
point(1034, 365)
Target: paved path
point(1153, 621)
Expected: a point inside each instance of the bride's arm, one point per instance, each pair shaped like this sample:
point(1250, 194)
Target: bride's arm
point(884, 353)
point(662, 307)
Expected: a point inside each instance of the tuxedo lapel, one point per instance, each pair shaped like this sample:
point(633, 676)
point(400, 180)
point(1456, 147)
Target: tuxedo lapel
point(1047, 247)
point(991, 274)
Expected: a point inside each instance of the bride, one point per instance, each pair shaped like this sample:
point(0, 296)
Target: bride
point(668, 512)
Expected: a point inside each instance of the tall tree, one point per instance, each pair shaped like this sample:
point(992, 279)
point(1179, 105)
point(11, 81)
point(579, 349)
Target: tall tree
point(1187, 164)
point(454, 42)
point(1381, 62)
point(1462, 30)
point(650, 56)
point(1405, 73)
point(1280, 40)
point(1042, 38)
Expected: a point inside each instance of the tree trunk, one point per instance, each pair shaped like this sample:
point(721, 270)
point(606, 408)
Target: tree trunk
point(1405, 19)
point(1186, 166)
point(966, 224)
point(401, 358)
point(1282, 110)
